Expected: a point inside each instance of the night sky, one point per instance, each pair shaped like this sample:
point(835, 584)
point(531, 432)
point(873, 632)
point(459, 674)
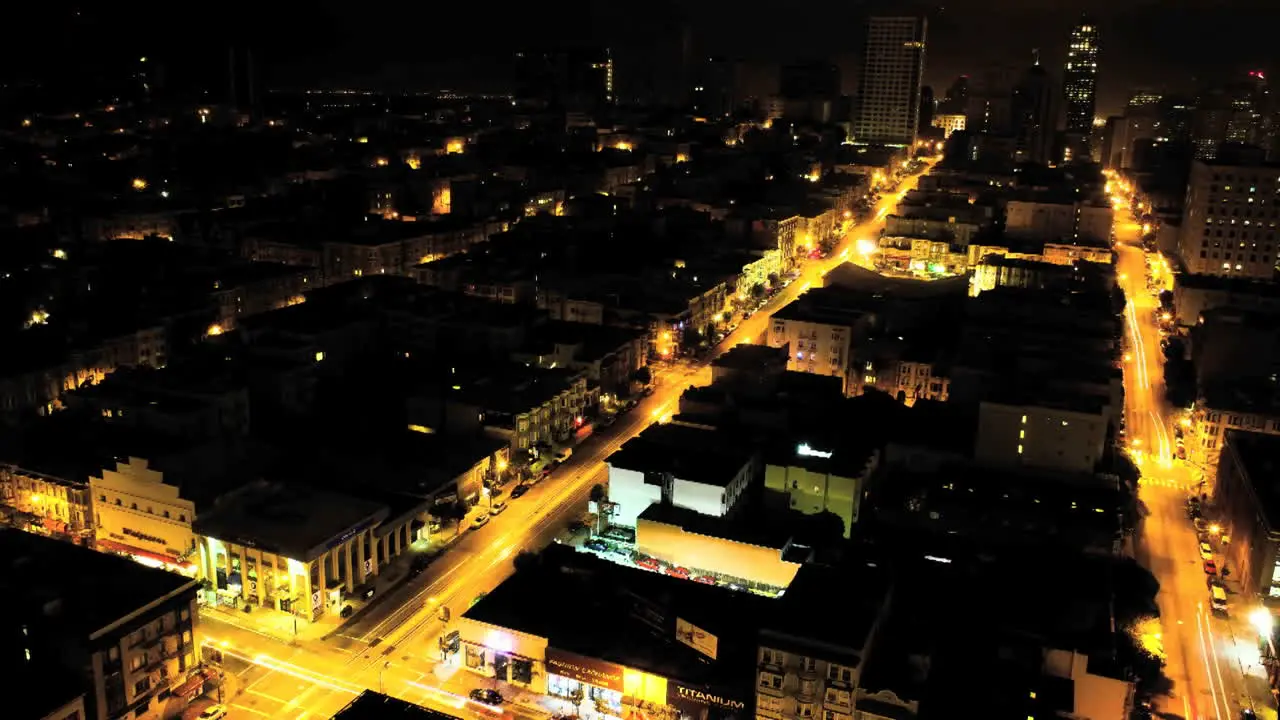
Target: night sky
point(418, 45)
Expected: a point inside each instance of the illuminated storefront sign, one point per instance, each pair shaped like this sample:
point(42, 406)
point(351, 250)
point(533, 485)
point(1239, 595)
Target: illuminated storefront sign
point(584, 669)
point(679, 694)
point(803, 450)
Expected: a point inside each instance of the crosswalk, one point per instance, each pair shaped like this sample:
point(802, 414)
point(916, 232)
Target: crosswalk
point(1180, 485)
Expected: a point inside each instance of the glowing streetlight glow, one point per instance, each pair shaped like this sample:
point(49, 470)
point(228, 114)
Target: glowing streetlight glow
point(1263, 621)
point(1214, 529)
point(139, 184)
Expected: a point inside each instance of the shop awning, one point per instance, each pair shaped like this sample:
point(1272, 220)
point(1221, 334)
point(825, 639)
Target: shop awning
point(112, 546)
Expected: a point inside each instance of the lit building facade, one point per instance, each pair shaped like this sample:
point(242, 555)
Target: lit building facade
point(816, 480)
point(949, 123)
point(50, 505)
point(296, 550)
point(138, 514)
point(1229, 220)
point(892, 73)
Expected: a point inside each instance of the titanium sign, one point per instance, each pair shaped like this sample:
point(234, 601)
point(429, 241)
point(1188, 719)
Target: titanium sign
point(696, 638)
point(692, 699)
point(584, 669)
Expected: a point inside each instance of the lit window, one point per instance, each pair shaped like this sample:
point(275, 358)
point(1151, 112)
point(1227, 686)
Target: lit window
point(1019, 448)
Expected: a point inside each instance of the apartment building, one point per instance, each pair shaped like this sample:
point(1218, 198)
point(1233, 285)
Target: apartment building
point(820, 331)
point(127, 633)
point(1229, 219)
point(46, 503)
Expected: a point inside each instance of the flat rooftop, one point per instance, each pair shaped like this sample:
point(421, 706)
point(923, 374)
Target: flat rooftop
point(39, 571)
point(608, 595)
point(370, 705)
point(689, 453)
point(291, 520)
point(1259, 456)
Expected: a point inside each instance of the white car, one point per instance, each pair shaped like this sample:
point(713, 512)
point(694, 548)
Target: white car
point(497, 507)
point(1206, 552)
point(214, 712)
point(481, 520)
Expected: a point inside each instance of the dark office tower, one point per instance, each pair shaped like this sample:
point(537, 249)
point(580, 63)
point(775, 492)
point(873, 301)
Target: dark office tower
point(1080, 86)
point(810, 80)
point(957, 98)
point(715, 87)
point(1034, 115)
point(243, 82)
point(889, 92)
point(928, 107)
point(581, 77)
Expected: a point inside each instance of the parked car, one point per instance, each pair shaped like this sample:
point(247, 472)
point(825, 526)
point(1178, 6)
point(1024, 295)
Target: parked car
point(519, 490)
point(481, 520)
point(705, 580)
point(1206, 552)
point(1210, 567)
point(497, 507)
point(564, 454)
point(678, 572)
point(648, 564)
point(214, 712)
point(597, 545)
point(488, 696)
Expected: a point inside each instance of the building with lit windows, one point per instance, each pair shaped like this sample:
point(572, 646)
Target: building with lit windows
point(298, 550)
point(1080, 85)
point(127, 633)
point(1069, 434)
point(892, 74)
point(1229, 219)
point(949, 123)
point(136, 513)
point(47, 504)
point(821, 330)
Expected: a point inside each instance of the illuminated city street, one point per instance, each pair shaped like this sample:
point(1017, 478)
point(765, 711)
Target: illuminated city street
point(395, 646)
point(1211, 661)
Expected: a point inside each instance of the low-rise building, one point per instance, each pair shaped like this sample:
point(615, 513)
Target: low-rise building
point(1194, 295)
point(821, 330)
point(815, 480)
point(298, 550)
point(688, 467)
point(1051, 219)
point(58, 506)
point(136, 513)
point(129, 633)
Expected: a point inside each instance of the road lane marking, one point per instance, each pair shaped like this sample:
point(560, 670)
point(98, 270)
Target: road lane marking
point(268, 696)
point(249, 709)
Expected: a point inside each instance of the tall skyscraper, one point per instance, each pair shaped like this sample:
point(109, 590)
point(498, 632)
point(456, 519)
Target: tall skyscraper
point(1034, 114)
point(1080, 83)
point(892, 71)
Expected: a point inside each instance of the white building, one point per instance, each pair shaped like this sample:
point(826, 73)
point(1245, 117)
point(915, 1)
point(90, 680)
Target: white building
point(680, 465)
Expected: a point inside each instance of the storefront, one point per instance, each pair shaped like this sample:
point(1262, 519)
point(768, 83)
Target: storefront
point(601, 690)
point(593, 686)
point(504, 655)
point(182, 566)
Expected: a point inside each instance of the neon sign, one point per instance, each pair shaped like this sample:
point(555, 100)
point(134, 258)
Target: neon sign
point(804, 450)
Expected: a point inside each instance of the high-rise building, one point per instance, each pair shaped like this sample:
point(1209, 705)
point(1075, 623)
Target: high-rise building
point(1080, 84)
point(1034, 115)
point(892, 71)
point(928, 107)
point(1224, 231)
point(578, 77)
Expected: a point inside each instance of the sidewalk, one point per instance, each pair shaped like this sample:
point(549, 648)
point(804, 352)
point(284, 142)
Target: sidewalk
point(284, 627)
point(460, 681)
point(1244, 649)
